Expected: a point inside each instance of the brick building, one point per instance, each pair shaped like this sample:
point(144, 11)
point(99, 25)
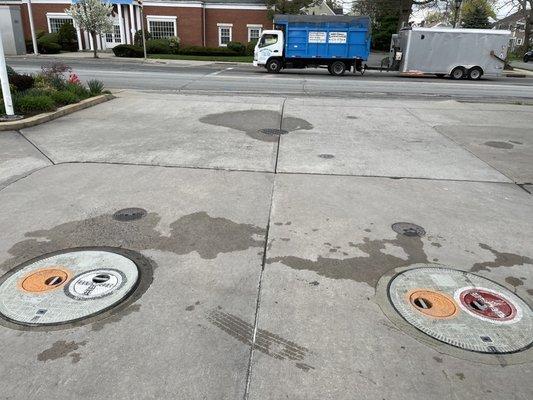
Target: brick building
point(209, 23)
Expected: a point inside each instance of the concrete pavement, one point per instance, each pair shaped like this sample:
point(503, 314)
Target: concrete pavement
point(267, 250)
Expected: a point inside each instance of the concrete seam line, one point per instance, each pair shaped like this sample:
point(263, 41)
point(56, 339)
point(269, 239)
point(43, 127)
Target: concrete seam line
point(258, 301)
point(279, 136)
point(458, 144)
point(36, 148)
point(28, 175)
point(60, 112)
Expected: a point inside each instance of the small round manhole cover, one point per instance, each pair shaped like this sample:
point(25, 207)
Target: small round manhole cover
point(273, 131)
point(66, 287)
point(462, 309)
point(408, 229)
point(129, 214)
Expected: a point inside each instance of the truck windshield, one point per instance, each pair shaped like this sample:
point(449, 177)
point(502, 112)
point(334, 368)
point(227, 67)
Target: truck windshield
point(267, 39)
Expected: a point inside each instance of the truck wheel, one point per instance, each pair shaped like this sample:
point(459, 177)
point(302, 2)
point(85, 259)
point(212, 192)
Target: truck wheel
point(337, 68)
point(273, 66)
point(458, 73)
point(475, 73)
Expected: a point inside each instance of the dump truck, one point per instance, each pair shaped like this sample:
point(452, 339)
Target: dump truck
point(335, 42)
point(457, 53)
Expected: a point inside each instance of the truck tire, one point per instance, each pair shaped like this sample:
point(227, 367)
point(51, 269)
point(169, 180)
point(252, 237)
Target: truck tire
point(337, 68)
point(273, 66)
point(457, 73)
point(475, 73)
point(526, 58)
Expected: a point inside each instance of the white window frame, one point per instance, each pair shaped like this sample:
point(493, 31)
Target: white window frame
point(162, 18)
point(254, 26)
point(221, 25)
point(50, 16)
point(519, 41)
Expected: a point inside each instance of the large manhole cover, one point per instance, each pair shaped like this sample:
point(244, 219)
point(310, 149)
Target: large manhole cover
point(462, 309)
point(70, 286)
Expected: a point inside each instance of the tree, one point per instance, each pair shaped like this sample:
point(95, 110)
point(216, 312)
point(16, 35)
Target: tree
point(287, 6)
point(384, 16)
point(93, 16)
point(476, 14)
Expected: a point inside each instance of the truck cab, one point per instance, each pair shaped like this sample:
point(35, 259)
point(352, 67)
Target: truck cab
point(268, 51)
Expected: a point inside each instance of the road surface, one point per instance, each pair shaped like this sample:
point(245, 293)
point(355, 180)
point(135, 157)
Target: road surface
point(238, 78)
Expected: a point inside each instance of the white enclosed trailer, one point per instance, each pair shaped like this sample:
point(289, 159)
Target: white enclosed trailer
point(459, 53)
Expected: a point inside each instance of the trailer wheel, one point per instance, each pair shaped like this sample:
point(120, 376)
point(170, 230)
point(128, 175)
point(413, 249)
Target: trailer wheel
point(475, 73)
point(458, 73)
point(273, 66)
point(337, 68)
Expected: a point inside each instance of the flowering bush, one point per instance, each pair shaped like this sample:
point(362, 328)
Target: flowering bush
point(73, 78)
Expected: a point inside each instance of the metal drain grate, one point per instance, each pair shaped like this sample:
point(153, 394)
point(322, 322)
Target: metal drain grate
point(273, 131)
point(129, 214)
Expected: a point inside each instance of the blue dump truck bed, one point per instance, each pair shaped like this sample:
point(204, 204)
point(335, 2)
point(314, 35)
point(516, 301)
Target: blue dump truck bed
point(325, 36)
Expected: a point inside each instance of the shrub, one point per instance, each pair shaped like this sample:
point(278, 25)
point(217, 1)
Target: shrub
point(48, 44)
point(207, 51)
point(174, 43)
point(158, 46)
point(10, 71)
point(67, 37)
point(250, 47)
point(64, 97)
point(128, 50)
point(95, 87)
point(138, 39)
point(79, 90)
point(237, 47)
point(29, 103)
point(21, 82)
point(54, 75)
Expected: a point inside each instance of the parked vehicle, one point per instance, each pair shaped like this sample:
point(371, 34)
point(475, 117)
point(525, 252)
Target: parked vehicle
point(528, 56)
point(458, 53)
point(336, 42)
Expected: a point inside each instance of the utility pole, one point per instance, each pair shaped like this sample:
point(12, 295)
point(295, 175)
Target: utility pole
point(6, 91)
point(32, 29)
point(142, 26)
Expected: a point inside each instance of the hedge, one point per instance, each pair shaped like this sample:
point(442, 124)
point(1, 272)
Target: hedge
point(128, 50)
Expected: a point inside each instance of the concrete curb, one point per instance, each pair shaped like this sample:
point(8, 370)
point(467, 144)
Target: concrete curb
point(61, 111)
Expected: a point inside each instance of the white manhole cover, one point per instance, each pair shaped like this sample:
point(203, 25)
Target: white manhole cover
point(462, 309)
point(66, 287)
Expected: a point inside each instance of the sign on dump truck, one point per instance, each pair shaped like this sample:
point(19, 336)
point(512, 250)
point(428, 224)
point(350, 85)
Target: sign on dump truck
point(458, 53)
point(335, 42)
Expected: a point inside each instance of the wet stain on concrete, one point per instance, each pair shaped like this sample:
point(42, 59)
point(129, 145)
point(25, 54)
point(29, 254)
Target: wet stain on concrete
point(365, 269)
point(435, 244)
point(266, 342)
point(192, 306)
point(437, 359)
point(61, 349)
point(351, 117)
point(326, 156)
point(501, 260)
point(460, 375)
point(511, 280)
point(250, 121)
point(515, 142)
point(198, 232)
point(499, 145)
point(530, 292)
point(314, 283)
point(99, 325)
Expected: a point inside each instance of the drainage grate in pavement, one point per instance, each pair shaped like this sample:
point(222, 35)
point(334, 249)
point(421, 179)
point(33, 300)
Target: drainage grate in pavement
point(408, 229)
point(129, 214)
point(68, 286)
point(273, 131)
point(462, 309)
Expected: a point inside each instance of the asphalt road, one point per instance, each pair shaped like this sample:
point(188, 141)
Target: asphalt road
point(238, 78)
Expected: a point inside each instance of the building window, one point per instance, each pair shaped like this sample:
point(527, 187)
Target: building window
point(519, 41)
point(55, 22)
point(162, 27)
point(254, 32)
point(224, 34)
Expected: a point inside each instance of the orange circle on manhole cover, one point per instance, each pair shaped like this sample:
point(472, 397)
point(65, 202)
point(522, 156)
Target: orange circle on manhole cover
point(44, 280)
point(433, 304)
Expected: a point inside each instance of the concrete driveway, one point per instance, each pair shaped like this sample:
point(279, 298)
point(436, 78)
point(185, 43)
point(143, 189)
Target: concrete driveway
point(269, 253)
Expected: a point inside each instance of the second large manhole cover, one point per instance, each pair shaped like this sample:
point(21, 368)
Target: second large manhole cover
point(462, 309)
point(68, 286)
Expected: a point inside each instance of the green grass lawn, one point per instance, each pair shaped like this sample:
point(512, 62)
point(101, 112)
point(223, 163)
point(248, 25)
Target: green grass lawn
point(242, 59)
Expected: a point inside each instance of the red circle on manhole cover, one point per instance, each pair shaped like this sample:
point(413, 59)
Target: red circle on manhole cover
point(487, 304)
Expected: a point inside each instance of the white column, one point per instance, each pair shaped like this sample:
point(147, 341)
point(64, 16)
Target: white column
point(138, 12)
point(87, 43)
point(78, 34)
point(121, 23)
point(127, 30)
point(91, 43)
point(4, 80)
point(32, 29)
point(133, 23)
